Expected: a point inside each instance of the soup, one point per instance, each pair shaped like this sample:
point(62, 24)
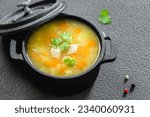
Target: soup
point(63, 47)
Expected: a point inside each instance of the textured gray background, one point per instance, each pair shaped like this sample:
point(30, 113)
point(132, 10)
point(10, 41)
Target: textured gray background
point(130, 31)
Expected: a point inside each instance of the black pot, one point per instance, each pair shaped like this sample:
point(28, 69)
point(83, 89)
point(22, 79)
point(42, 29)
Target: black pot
point(83, 79)
point(54, 83)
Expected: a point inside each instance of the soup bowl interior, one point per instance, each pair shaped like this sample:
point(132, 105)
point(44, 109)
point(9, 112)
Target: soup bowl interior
point(93, 27)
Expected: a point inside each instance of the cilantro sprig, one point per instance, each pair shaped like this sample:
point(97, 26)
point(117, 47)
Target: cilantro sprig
point(64, 46)
point(63, 42)
point(104, 17)
point(56, 42)
point(69, 61)
point(66, 36)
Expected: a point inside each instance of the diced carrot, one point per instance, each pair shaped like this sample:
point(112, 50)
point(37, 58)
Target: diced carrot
point(83, 51)
point(63, 26)
point(31, 54)
point(72, 55)
point(92, 43)
point(51, 63)
point(36, 57)
point(76, 34)
point(77, 31)
point(53, 35)
point(81, 64)
point(62, 70)
point(47, 63)
point(45, 54)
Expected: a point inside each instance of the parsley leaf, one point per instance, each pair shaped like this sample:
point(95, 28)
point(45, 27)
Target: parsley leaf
point(104, 17)
point(70, 61)
point(56, 42)
point(64, 46)
point(66, 36)
point(63, 42)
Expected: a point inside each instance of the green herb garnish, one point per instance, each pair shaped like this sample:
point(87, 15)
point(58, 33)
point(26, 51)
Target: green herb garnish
point(104, 17)
point(64, 46)
point(66, 36)
point(56, 42)
point(69, 61)
point(63, 42)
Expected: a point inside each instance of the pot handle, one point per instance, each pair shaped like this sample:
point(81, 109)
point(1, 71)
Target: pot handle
point(13, 53)
point(113, 52)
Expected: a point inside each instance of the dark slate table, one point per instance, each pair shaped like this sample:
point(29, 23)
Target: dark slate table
point(130, 31)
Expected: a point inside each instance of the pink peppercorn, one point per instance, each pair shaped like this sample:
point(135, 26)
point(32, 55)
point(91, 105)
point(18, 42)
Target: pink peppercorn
point(126, 91)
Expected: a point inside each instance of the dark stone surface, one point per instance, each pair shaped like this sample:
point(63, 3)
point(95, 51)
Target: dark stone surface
point(130, 31)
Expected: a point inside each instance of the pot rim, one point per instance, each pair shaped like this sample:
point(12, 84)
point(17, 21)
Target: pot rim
point(96, 29)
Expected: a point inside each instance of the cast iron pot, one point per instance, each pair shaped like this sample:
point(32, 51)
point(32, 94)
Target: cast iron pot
point(68, 82)
point(22, 23)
